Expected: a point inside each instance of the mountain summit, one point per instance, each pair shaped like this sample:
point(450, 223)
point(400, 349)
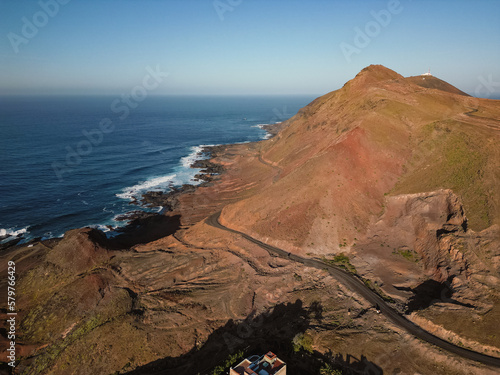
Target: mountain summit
point(376, 73)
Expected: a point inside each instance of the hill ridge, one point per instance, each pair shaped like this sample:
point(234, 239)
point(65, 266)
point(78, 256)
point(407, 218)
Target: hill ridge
point(432, 82)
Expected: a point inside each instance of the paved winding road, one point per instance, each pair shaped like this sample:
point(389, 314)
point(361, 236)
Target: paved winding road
point(357, 286)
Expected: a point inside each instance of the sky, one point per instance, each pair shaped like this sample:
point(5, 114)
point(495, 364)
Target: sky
point(242, 47)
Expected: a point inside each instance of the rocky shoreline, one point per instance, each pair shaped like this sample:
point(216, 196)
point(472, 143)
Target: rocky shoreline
point(138, 219)
point(167, 201)
point(273, 129)
point(209, 172)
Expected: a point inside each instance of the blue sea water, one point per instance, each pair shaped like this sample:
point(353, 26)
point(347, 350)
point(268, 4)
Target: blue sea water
point(69, 162)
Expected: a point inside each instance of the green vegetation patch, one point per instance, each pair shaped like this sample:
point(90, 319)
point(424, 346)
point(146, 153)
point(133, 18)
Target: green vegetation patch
point(302, 342)
point(341, 260)
point(447, 158)
point(328, 369)
point(45, 359)
point(407, 254)
point(231, 360)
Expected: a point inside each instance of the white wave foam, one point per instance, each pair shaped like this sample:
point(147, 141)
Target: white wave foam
point(260, 126)
point(148, 185)
point(183, 174)
point(195, 154)
point(187, 161)
point(12, 233)
point(102, 228)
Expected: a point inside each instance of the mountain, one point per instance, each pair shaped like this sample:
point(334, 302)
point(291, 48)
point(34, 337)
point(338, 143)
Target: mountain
point(379, 135)
point(393, 178)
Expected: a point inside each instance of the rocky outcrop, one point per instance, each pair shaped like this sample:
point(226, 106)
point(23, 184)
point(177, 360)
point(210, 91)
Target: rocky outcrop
point(79, 250)
point(422, 243)
point(208, 166)
point(169, 201)
point(420, 222)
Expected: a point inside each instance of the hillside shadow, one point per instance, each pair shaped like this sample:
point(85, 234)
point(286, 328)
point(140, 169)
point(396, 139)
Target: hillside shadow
point(274, 329)
point(144, 230)
point(258, 334)
point(5, 369)
point(352, 365)
point(311, 363)
point(430, 292)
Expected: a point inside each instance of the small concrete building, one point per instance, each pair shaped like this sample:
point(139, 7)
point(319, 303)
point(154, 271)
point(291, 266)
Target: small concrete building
point(268, 364)
point(428, 73)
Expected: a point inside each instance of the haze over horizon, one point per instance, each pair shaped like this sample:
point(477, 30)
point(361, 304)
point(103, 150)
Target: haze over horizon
point(228, 47)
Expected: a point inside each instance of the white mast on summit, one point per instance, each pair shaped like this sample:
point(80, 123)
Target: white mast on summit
point(428, 73)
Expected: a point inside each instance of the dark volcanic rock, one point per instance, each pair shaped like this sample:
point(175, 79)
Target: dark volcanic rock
point(213, 151)
point(10, 243)
point(169, 200)
point(209, 170)
point(274, 129)
point(203, 177)
point(132, 215)
point(208, 166)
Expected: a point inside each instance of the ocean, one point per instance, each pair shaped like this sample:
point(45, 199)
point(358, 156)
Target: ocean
point(69, 162)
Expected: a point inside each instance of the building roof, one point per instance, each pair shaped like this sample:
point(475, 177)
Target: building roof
point(267, 364)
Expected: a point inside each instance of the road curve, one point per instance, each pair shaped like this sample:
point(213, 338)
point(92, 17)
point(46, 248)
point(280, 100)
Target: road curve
point(357, 286)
